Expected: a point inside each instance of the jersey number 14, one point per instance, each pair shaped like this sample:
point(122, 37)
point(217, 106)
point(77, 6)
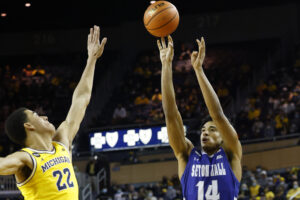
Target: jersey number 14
point(211, 192)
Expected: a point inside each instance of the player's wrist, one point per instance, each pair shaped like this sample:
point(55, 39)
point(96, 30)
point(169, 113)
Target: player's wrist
point(198, 68)
point(167, 63)
point(92, 58)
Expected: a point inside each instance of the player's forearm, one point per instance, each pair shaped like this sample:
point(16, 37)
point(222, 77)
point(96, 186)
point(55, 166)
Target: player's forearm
point(210, 97)
point(173, 118)
point(85, 85)
point(168, 94)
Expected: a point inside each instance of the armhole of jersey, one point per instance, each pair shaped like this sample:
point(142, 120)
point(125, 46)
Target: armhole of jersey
point(32, 173)
point(61, 144)
point(184, 173)
point(234, 177)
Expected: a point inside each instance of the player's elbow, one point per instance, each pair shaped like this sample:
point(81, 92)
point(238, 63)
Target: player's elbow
point(218, 116)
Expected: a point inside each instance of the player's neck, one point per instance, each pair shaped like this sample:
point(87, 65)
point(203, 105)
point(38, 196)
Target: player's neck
point(40, 142)
point(211, 151)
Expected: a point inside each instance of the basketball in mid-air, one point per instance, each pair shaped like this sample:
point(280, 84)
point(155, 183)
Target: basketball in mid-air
point(161, 18)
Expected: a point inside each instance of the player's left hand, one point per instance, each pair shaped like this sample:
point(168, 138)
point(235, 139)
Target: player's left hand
point(166, 52)
point(197, 57)
point(95, 48)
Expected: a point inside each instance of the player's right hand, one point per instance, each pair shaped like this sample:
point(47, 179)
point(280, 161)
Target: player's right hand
point(166, 53)
point(95, 49)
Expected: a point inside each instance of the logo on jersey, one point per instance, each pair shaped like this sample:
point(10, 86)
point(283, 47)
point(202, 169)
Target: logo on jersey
point(36, 154)
point(219, 157)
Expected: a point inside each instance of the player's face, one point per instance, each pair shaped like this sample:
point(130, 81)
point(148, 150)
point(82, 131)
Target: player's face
point(210, 137)
point(39, 123)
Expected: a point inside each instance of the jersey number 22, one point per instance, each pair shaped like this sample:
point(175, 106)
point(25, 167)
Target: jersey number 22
point(59, 184)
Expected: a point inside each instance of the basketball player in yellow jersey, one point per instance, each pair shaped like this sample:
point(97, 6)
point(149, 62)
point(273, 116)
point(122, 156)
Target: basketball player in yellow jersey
point(43, 169)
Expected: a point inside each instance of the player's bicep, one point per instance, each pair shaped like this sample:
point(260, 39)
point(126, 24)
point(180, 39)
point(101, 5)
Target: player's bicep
point(229, 136)
point(13, 163)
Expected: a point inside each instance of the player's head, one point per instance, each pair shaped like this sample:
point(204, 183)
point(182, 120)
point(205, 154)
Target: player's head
point(211, 139)
point(23, 121)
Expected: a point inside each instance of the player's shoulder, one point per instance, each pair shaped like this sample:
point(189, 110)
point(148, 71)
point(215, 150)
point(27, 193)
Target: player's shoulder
point(190, 146)
point(22, 158)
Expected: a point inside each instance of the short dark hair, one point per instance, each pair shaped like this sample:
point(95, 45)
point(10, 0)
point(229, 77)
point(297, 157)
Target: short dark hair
point(204, 120)
point(14, 126)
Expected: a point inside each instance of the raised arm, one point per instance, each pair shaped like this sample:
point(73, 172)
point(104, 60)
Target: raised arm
point(180, 145)
point(228, 133)
point(13, 163)
point(82, 93)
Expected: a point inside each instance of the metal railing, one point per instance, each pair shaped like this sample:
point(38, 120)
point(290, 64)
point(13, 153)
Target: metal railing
point(101, 180)
point(8, 187)
point(86, 193)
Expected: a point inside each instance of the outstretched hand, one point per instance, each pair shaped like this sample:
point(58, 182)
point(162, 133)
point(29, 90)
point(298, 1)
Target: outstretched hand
point(197, 57)
point(166, 52)
point(95, 48)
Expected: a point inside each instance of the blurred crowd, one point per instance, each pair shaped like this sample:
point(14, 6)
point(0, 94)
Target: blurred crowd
point(270, 185)
point(259, 184)
point(274, 108)
point(167, 189)
point(138, 100)
point(44, 89)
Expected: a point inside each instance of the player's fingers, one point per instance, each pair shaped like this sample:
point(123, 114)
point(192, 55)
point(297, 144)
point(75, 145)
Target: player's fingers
point(163, 42)
point(89, 39)
point(91, 34)
point(203, 43)
point(95, 33)
point(159, 45)
point(103, 42)
point(199, 45)
point(170, 40)
point(194, 54)
point(99, 33)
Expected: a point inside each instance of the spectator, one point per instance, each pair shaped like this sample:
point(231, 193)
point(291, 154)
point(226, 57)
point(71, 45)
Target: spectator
point(294, 193)
point(269, 130)
point(263, 179)
point(28, 70)
point(244, 192)
point(92, 169)
point(119, 195)
point(141, 100)
point(119, 113)
point(254, 189)
point(150, 196)
point(156, 98)
point(269, 194)
point(171, 193)
point(257, 128)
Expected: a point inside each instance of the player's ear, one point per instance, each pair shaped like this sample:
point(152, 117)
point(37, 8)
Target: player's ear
point(29, 126)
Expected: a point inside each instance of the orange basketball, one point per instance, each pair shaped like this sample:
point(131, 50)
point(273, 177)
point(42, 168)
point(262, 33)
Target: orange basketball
point(161, 18)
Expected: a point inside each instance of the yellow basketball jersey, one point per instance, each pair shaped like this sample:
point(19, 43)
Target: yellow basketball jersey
point(52, 177)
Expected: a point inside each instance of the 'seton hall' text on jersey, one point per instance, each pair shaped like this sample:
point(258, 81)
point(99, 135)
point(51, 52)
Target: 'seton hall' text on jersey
point(208, 170)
